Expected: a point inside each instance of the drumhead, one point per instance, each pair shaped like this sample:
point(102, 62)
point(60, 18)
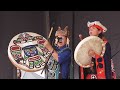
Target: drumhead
point(26, 51)
point(81, 51)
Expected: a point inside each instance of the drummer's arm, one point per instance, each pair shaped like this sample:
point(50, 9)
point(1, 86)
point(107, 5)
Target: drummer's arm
point(61, 57)
point(55, 55)
point(50, 48)
point(91, 53)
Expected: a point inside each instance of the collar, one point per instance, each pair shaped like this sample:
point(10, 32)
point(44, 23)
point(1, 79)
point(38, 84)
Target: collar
point(61, 47)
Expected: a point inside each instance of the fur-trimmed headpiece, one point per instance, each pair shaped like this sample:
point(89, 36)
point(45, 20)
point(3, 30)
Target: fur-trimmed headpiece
point(63, 32)
point(98, 25)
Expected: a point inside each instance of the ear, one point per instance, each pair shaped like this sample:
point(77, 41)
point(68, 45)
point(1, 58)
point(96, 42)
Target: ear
point(66, 28)
point(59, 28)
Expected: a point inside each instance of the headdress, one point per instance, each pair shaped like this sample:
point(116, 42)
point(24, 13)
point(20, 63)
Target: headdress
point(98, 25)
point(63, 32)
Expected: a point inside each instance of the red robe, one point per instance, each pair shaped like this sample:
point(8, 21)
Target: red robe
point(103, 66)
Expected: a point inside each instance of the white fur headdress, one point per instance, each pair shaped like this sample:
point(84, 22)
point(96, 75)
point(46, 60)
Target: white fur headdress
point(63, 32)
point(97, 23)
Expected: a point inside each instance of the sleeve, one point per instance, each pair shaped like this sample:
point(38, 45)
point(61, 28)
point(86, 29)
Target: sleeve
point(64, 56)
point(107, 58)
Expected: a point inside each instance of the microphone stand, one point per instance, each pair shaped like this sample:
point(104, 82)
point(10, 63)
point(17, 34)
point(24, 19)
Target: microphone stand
point(115, 53)
point(46, 67)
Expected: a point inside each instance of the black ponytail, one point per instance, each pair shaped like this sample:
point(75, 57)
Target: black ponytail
point(101, 35)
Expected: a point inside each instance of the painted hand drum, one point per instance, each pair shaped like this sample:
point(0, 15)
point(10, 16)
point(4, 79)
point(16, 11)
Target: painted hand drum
point(81, 55)
point(27, 52)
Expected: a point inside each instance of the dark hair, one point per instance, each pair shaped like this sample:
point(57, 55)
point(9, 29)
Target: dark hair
point(101, 35)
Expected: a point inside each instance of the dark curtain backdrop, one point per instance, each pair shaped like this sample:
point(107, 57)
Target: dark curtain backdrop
point(15, 22)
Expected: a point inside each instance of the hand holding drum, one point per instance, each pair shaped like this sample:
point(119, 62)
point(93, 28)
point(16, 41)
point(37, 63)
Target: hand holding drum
point(87, 48)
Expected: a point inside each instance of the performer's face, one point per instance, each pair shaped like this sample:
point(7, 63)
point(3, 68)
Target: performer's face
point(93, 31)
point(62, 40)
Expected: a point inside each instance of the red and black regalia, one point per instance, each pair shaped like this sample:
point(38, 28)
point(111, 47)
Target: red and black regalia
point(102, 67)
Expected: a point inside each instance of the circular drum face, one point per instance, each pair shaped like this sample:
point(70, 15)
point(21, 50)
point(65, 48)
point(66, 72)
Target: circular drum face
point(81, 55)
point(27, 52)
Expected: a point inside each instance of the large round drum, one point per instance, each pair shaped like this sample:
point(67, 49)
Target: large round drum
point(89, 43)
point(27, 52)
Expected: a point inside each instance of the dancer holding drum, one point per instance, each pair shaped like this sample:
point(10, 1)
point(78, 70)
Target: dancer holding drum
point(62, 53)
point(96, 62)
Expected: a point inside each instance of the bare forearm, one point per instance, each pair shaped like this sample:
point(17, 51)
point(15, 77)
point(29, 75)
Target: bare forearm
point(51, 49)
